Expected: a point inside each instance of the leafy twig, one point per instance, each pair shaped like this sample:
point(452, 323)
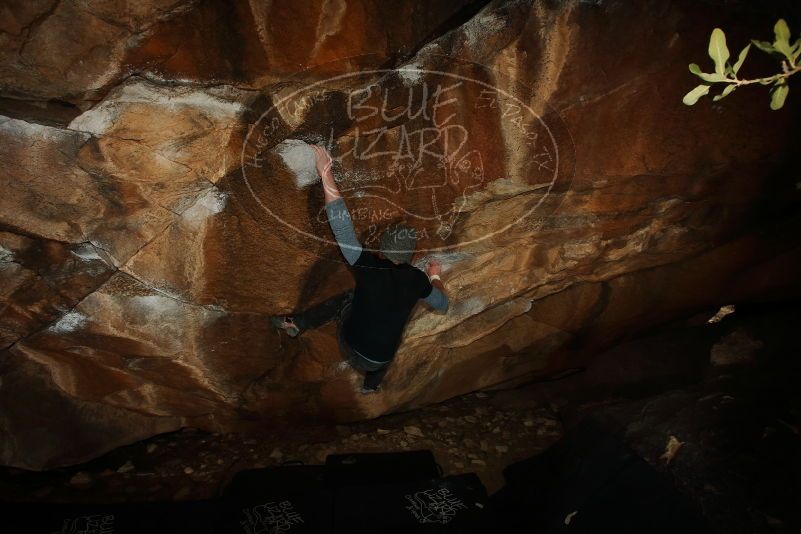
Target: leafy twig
point(726, 72)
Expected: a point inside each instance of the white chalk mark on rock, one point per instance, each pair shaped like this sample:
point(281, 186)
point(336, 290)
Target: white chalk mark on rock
point(88, 252)
point(299, 158)
point(101, 118)
point(410, 75)
point(6, 255)
point(480, 27)
point(208, 204)
point(69, 322)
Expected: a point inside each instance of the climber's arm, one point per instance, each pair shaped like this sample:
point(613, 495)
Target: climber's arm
point(324, 163)
point(437, 299)
point(337, 211)
point(342, 226)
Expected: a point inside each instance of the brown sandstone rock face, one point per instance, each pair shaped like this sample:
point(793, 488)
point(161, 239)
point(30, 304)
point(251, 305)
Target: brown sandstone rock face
point(148, 229)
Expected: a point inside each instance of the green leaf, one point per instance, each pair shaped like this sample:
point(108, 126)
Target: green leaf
point(741, 58)
point(782, 31)
point(784, 49)
point(797, 49)
point(777, 96)
point(718, 50)
point(726, 92)
point(729, 88)
point(782, 42)
point(729, 70)
point(693, 96)
point(707, 77)
point(713, 77)
point(764, 46)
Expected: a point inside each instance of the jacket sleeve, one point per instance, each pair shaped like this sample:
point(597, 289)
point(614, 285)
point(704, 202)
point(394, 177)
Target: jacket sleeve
point(342, 226)
point(437, 299)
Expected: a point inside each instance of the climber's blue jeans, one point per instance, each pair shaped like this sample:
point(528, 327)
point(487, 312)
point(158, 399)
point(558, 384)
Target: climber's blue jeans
point(338, 307)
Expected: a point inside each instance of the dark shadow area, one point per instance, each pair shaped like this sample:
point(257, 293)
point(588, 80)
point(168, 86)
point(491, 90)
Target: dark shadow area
point(726, 392)
point(56, 113)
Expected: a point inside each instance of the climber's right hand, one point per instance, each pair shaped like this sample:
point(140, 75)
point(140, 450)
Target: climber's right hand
point(433, 267)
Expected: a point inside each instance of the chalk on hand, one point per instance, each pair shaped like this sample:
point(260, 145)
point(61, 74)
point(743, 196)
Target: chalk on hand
point(446, 259)
point(299, 158)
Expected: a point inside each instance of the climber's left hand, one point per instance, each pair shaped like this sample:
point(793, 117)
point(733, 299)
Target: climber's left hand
point(323, 161)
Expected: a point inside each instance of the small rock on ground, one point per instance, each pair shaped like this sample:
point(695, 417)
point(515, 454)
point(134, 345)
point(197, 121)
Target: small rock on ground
point(413, 431)
point(81, 479)
point(126, 467)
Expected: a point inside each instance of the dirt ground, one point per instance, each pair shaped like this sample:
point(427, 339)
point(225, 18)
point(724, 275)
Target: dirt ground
point(473, 433)
point(726, 393)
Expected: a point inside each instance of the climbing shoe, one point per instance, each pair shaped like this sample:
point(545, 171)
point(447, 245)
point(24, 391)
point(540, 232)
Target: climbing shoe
point(286, 324)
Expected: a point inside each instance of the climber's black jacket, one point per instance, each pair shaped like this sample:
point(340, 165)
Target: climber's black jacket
point(384, 297)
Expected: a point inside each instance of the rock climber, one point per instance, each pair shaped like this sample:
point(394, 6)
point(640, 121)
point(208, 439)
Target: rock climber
point(371, 317)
